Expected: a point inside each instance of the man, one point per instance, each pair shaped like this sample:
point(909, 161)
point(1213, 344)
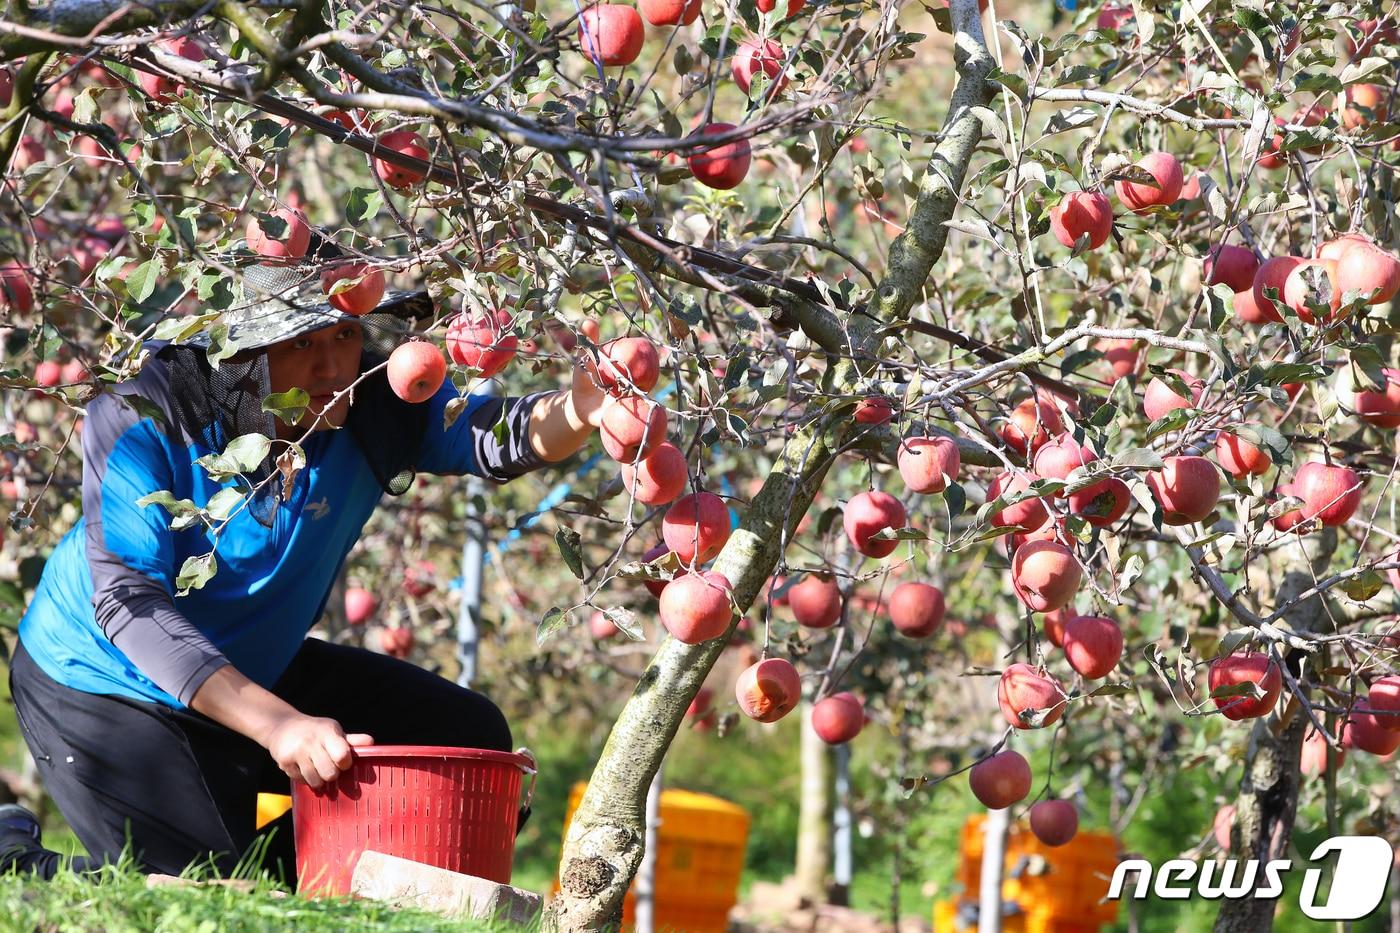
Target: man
point(156, 719)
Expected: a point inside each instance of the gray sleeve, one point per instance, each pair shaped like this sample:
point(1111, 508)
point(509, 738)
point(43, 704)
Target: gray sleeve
point(510, 454)
point(131, 552)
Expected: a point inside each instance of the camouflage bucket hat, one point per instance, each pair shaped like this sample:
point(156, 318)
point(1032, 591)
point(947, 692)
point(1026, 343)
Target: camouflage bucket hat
point(283, 302)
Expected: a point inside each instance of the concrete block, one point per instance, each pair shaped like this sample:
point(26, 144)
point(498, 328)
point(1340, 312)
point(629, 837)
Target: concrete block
point(404, 883)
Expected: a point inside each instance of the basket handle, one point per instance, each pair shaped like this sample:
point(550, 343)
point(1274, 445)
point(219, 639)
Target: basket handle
point(533, 770)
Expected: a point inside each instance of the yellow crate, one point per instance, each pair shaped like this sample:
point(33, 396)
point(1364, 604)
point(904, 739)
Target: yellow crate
point(270, 807)
point(1066, 897)
point(700, 856)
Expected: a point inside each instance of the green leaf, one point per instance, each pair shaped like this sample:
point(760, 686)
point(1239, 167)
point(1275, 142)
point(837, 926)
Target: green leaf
point(288, 406)
point(166, 500)
point(223, 503)
point(626, 622)
point(554, 621)
point(1140, 458)
point(569, 542)
point(955, 497)
point(242, 455)
point(1110, 690)
point(364, 204)
point(195, 572)
point(141, 284)
point(1363, 587)
point(1265, 438)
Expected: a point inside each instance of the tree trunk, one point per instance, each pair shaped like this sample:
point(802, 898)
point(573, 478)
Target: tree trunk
point(604, 843)
point(813, 823)
point(1268, 799)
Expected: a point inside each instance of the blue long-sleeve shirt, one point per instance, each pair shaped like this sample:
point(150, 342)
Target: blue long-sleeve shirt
point(104, 618)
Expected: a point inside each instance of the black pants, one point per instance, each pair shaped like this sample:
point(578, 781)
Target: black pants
point(184, 787)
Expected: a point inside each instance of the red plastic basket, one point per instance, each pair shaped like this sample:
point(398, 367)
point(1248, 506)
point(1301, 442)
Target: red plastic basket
point(455, 808)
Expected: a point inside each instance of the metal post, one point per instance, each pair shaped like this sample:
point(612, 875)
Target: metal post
point(993, 861)
point(646, 872)
point(841, 827)
point(473, 558)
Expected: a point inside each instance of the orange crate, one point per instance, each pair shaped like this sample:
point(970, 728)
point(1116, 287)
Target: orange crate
point(1059, 889)
point(700, 855)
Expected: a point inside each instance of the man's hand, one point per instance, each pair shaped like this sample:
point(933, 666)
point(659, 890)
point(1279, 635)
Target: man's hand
point(312, 749)
point(586, 396)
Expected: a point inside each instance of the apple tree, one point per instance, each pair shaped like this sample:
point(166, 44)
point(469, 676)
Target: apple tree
point(1101, 328)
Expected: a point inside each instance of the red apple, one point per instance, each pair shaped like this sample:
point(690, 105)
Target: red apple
point(360, 298)
point(1221, 825)
point(1331, 494)
point(407, 143)
point(1001, 780)
point(1026, 515)
point(1239, 457)
point(1054, 822)
point(631, 360)
point(1045, 575)
point(838, 718)
point(815, 601)
point(74, 372)
point(701, 711)
point(1363, 730)
point(48, 374)
point(633, 426)
point(29, 152)
point(1022, 688)
point(768, 6)
point(1093, 645)
point(660, 477)
point(1368, 269)
point(164, 89)
point(925, 461)
point(1166, 170)
point(697, 606)
point(1246, 668)
point(1379, 408)
point(16, 295)
point(485, 342)
point(755, 57)
point(1061, 457)
point(290, 244)
point(768, 690)
point(1082, 213)
point(869, 513)
point(1365, 103)
point(1248, 309)
point(1336, 248)
point(1103, 503)
point(1054, 623)
point(1273, 273)
point(1030, 424)
point(1121, 354)
point(1313, 759)
point(396, 642)
point(1233, 265)
point(916, 609)
point(416, 371)
point(611, 34)
point(723, 166)
point(1186, 488)
point(1384, 699)
point(1287, 521)
point(1159, 397)
point(1112, 18)
point(875, 410)
point(654, 553)
point(360, 604)
point(669, 12)
point(1313, 280)
point(696, 527)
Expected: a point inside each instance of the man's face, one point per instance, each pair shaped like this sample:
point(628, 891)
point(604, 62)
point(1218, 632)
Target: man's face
point(323, 362)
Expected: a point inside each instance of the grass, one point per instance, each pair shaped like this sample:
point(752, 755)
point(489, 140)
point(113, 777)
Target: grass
point(120, 900)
